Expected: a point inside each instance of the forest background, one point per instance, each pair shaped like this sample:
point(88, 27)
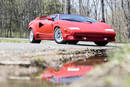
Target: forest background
point(16, 14)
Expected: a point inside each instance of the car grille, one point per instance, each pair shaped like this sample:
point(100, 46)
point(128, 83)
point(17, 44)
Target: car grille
point(81, 34)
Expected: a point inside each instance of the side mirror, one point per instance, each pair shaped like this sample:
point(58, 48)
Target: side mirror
point(51, 19)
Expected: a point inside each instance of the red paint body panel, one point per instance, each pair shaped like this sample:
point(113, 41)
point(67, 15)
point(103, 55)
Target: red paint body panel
point(88, 31)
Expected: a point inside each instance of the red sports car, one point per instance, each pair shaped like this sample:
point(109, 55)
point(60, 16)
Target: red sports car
point(68, 28)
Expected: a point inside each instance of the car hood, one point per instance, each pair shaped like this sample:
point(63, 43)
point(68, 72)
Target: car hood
point(84, 26)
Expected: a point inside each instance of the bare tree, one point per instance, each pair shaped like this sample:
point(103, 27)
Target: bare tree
point(67, 7)
point(80, 6)
point(103, 12)
point(16, 14)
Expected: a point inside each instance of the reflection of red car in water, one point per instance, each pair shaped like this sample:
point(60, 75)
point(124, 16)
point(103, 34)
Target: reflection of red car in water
point(68, 73)
point(72, 71)
point(66, 28)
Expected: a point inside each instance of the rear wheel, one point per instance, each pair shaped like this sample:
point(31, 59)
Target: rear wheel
point(101, 43)
point(72, 42)
point(58, 36)
point(32, 38)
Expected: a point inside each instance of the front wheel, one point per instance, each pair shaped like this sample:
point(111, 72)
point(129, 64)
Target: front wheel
point(32, 38)
point(58, 36)
point(101, 43)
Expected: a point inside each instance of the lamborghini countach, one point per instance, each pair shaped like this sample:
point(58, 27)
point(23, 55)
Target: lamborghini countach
point(70, 29)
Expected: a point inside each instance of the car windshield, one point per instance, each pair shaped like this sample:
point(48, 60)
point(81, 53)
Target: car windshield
point(76, 18)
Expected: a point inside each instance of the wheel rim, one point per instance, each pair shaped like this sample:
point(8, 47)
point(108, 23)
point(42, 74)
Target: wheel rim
point(58, 35)
point(31, 36)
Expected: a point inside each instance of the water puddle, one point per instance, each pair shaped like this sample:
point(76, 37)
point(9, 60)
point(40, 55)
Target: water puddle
point(27, 83)
point(72, 71)
point(52, 77)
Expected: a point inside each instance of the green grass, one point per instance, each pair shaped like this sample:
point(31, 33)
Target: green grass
point(127, 81)
point(13, 41)
point(40, 59)
point(120, 54)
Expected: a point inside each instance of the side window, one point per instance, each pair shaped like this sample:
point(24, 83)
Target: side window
point(54, 17)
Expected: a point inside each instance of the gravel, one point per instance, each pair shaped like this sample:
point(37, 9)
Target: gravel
point(20, 48)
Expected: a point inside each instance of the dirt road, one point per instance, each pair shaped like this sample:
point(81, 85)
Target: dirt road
point(49, 51)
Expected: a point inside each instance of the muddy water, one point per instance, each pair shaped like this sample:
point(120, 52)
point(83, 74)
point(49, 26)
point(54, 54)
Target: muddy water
point(25, 83)
point(93, 61)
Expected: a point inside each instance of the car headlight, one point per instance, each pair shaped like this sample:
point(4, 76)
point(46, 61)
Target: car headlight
point(109, 30)
point(74, 28)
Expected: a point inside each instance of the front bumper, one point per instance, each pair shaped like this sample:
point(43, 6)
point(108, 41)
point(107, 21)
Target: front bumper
point(85, 36)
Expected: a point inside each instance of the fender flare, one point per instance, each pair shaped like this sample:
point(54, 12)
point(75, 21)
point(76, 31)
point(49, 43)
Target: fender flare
point(59, 27)
point(62, 29)
point(34, 30)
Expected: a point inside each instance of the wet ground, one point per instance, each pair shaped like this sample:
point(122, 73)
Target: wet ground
point(37, 81)
point(45, 55)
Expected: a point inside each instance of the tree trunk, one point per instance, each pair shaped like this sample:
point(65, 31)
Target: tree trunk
point(129, 19)
point(80, 7)
point(67, 7)
point(103, 9)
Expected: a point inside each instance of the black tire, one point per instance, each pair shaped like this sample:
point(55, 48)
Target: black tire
point(32, 38)
point(101, 43)
point(58, 36)
point(72, 42)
